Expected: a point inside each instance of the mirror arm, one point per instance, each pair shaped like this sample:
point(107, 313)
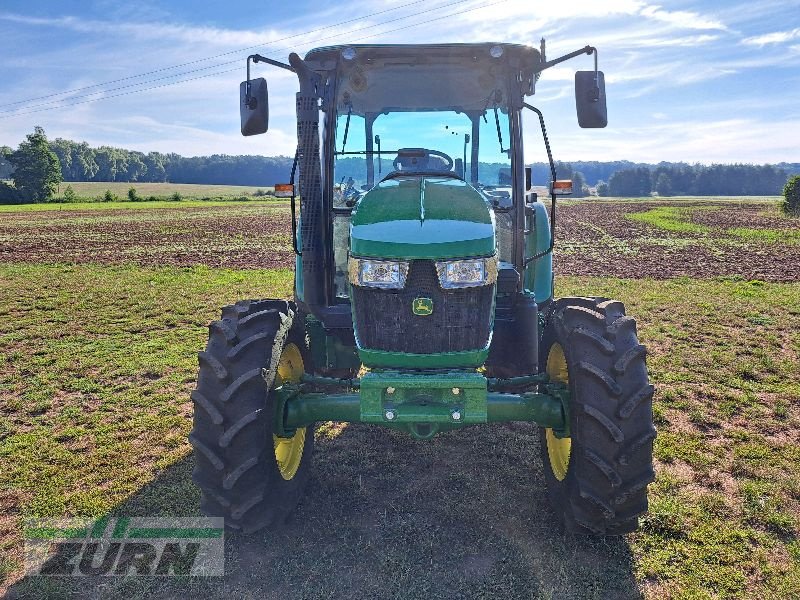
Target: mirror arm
point(256, 58)
point(530, 259)
point(560, 59)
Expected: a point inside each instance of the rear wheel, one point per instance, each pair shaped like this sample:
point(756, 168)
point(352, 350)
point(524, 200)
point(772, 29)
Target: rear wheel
point(597, 478)
point(247, 473)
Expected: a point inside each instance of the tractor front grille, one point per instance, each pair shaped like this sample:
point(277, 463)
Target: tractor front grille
point(460, 320)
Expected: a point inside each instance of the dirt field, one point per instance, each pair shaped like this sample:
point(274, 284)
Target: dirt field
point(697, 238)
point(692, 238)
point(102, 312)
point(252, 235)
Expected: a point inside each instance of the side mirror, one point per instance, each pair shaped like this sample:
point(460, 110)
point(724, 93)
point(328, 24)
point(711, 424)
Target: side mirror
point(590, 99)
point(253, 106)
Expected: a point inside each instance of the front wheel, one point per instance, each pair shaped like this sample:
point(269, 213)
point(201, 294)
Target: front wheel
point(246, 472)
point(597, 478)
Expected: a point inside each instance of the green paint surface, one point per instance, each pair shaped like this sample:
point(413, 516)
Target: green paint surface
point(422, 217)
point(538, 277)
point(405, 360)
point(429, 398)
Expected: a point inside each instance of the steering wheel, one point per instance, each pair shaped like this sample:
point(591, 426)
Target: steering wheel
point(420, 159)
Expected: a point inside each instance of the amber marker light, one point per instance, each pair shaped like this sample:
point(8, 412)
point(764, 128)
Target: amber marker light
point(562, 187)
point(284, 190)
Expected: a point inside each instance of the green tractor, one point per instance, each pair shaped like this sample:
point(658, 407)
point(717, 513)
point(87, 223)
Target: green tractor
point(423, 293)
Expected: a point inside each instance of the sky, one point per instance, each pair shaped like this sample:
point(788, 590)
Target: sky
point(692, 81)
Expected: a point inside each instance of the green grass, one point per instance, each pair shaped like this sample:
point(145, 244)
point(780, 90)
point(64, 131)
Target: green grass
point(677, 219)
point(96, 364)
point(725, 506)
point(93, 189)
point(89, 194)
point(668, 218)
point(677, 199)
point(770, 236)
point(145, 205)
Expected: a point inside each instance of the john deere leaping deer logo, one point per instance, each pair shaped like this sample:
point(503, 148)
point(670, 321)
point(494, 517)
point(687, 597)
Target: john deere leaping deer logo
point(422, 307)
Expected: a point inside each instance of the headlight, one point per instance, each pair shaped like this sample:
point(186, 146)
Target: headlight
point(385, 274)
point(467, 273)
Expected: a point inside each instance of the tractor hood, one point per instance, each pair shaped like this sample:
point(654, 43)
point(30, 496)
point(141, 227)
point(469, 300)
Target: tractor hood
point(422, 216)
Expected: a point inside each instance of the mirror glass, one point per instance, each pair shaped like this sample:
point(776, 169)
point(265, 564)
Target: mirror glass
point(590, 99)
point(253, 106)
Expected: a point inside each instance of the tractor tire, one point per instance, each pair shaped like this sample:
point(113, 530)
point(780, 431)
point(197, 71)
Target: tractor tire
point(236, 454)
point(597, 479)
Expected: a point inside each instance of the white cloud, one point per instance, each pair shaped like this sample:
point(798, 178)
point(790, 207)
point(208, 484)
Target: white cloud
point(547, 12)
point(682, 42)
point(778, 37)
point(690, 141)
point(207, 36)
point(682, 19)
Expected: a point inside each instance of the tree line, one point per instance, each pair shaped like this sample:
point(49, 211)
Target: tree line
point(696, 180)
point(81, 162)
point(78, 161)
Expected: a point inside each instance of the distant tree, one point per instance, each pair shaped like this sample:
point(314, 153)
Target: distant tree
point(9, 194)
point(69, 194)
point(77, 159)
point(664, 185)
point(601, 188)
point(112, 163)
point(155, 163)
point(37, 171)
point(136, 168)
point(5, 166)
point(579, 188)
point(791, 196)
point(630, 182)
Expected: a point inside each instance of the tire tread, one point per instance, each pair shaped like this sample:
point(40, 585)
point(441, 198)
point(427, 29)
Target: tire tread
point(611, 465)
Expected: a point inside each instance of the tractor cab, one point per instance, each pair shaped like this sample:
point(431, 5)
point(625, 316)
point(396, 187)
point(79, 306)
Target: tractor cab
point(382, 130)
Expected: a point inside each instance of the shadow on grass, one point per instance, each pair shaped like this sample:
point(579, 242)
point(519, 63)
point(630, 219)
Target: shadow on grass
point(462, 516)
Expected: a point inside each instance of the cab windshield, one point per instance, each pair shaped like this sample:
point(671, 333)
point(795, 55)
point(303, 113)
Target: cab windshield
point(474, 147)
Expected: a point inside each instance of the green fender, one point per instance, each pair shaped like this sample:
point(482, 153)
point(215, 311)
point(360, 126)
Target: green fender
point(538, 278)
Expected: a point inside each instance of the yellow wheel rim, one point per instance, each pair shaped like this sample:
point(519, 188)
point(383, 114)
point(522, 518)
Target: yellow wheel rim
point(558, 449)
point(289, 451)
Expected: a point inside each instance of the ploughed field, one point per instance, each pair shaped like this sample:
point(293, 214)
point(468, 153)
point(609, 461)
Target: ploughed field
point(251, 235)
point(663, 239)
point(102, 311)
point(631, 238)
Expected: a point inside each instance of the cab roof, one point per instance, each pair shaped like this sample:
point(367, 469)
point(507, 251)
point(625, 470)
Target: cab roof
point(512, 54)
point(375, 78)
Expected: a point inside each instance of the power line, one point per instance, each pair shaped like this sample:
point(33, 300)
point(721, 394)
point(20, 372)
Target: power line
point(123, 93)
point(199, 60)
point(486, 5)
point(230, 62)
